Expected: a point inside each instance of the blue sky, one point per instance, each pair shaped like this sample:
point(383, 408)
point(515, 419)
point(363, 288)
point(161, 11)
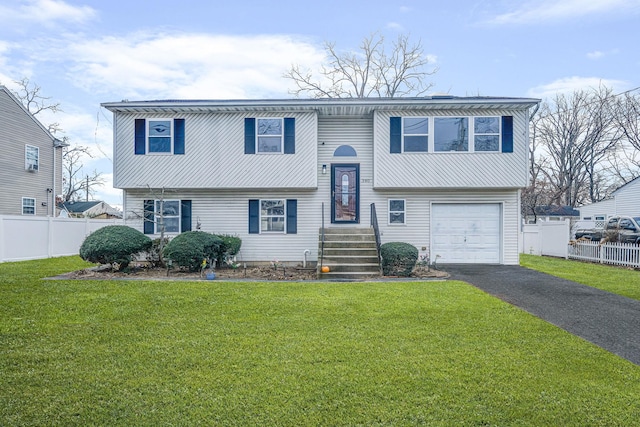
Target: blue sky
point(82, 53)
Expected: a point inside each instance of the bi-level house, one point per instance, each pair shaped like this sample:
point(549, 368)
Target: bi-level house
point(31, 161)
point(442, 173)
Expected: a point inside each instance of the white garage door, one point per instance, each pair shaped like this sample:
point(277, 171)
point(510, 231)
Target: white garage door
point(466, 233)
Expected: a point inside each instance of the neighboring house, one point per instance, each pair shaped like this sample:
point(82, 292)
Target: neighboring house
point(624, 201)
point(444, 173)
point(31, 162)
point(553, 213)
point(93, 209)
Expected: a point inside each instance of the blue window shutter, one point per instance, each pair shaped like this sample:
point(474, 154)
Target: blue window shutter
point(507, 134)
point(140, 136)
point(249, 136)
point(178, 136)
point(395, 135)
point(289, 136)
point(292, 216)
point(185, 218)
point(149, 216)
point(254, 216)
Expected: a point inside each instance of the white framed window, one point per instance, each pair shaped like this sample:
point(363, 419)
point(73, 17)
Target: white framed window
point(397, 211)
point(486, 134)
point(31, 158)
point(160, 136)
point(415, 134)
point(272, 216)
point(450, 134)
point(28, 206)
point(270, 135)
point(167, 214)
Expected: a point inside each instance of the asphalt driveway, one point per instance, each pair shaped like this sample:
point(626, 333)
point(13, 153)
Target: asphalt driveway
point(605, 319)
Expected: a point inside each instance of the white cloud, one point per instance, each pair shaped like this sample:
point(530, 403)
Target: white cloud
point(596, 54)
point(570, 84)
point(44, 12)
point(558, 10)
point(395, 26)
point(154, 66)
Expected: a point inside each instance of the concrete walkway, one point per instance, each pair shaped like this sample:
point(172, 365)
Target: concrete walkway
point(605, 319)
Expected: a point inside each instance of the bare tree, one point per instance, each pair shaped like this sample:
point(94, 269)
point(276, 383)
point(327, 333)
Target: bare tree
point(31, 97)
point(370, 71)
point(75, 182)
point(627, 118)
point(575, 134)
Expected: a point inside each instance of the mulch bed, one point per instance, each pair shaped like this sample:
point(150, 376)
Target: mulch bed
point(265, 273)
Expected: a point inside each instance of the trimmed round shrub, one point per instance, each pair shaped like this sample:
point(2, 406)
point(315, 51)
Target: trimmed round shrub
point(114, 244)
point(229, 247)
point(191, 247)
point(398, 258)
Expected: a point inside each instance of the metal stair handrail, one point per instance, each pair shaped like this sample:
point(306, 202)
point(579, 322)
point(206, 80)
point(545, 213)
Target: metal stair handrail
point(376, 232)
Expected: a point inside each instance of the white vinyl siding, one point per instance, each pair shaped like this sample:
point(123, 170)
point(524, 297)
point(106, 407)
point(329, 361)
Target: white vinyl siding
point(451, 170)
point(628, 199)
point(215, 156)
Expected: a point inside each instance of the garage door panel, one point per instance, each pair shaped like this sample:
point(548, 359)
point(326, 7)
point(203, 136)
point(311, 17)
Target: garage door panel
point(466, 233)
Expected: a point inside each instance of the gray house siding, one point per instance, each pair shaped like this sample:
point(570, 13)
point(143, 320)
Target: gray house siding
point(19, 128)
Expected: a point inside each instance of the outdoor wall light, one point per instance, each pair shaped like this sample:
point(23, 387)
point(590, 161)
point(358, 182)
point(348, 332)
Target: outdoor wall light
point(324, 169)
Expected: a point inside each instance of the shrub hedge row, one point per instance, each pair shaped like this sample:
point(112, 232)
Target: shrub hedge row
point(119, 243)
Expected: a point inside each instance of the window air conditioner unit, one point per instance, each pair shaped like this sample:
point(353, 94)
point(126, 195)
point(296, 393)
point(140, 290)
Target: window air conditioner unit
point(32, 168)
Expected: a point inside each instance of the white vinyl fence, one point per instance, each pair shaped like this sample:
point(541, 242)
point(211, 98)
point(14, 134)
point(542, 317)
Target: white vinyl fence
point(24, 238)
point(546, 238)
point(624, 254)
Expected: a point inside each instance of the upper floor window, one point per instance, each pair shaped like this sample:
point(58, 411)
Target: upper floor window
point(28, 206)
point(415, 134)
point(31, 158)
point(269, 135)
point(451, 134)
point(160, 135)
point(486, 131)
point(472, 134)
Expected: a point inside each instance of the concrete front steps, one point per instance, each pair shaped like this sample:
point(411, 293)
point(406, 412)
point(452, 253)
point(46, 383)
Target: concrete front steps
point(350, 254)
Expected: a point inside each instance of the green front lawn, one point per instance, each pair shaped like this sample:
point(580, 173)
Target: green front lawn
point(292, 354)
point(618, 280)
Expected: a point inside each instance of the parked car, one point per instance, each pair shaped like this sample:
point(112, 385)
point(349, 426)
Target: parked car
point(626, 228)
point(585, 229)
